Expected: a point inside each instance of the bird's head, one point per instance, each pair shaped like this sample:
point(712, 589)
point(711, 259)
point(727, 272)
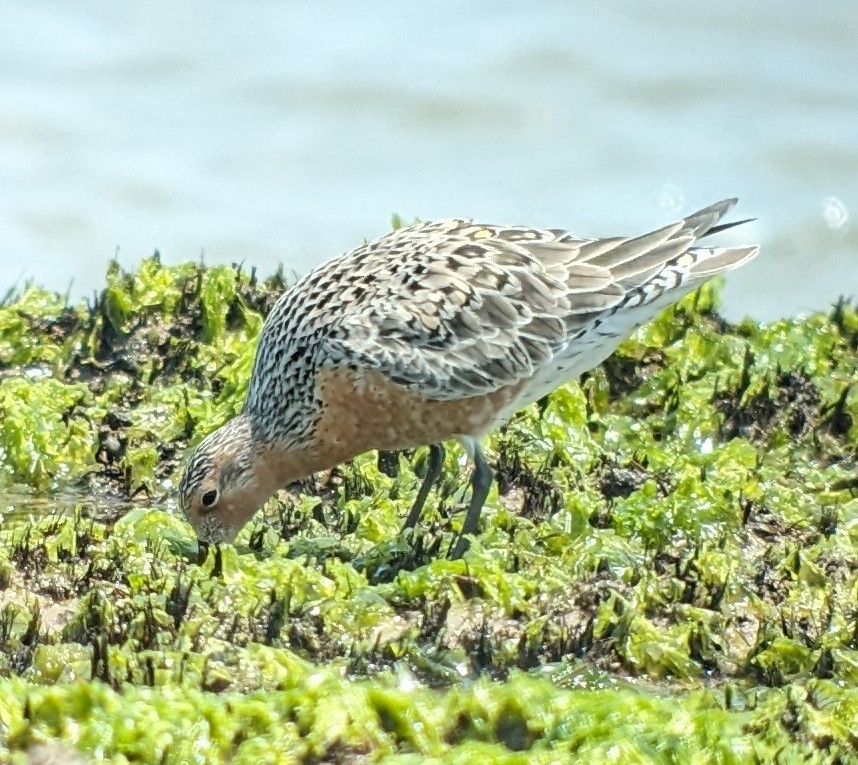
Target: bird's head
point(225, 482)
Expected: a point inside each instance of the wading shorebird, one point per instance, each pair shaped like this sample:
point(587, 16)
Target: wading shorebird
point(433, 332)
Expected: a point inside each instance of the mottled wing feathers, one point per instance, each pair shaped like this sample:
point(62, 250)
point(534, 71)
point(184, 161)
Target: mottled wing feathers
point(477, 315)
point(460, 308)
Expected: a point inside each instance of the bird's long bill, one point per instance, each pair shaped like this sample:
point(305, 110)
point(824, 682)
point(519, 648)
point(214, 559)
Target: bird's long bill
point(203, 554)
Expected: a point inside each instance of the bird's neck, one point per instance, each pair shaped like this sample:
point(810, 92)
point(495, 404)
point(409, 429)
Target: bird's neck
point(277, 467)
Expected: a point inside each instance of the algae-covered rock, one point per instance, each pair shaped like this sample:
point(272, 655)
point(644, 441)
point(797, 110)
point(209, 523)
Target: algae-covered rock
point(666, 572)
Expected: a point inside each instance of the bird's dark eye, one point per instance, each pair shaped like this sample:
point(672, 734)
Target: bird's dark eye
point(210, 498)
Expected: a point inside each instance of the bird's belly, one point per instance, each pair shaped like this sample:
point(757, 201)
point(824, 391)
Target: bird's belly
point(363, 410)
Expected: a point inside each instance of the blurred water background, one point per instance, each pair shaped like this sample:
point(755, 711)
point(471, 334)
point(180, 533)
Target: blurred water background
point(269, 132)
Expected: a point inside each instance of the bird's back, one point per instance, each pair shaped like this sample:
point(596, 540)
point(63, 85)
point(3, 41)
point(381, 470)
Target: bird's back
point(454, 309)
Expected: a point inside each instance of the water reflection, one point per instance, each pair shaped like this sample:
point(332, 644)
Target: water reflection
point(289, 133)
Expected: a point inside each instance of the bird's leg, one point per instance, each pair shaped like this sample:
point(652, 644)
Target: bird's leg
point(433, 471)
point(481, 484)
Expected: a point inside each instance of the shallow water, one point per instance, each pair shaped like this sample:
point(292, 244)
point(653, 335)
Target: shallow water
point(289, 132)
point(19, 503)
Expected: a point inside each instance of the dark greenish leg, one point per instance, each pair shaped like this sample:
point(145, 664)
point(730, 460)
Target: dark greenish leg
point(433, 472)
point(481, 483)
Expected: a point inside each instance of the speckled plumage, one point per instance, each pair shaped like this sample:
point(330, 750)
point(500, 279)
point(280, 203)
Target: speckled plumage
point(435, 315)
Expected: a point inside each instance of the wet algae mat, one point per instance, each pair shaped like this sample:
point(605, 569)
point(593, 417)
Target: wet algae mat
point(667, 569)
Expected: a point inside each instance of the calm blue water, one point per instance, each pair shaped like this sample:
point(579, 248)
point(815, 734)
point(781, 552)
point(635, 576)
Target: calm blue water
point(270, 132)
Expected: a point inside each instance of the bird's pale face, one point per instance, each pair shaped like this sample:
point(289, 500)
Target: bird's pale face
point(223, 485)
point(216, 509)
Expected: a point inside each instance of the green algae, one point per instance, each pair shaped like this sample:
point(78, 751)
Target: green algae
point(667, 568)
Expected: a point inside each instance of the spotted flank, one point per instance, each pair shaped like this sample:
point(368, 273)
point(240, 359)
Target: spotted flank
point(437, 331)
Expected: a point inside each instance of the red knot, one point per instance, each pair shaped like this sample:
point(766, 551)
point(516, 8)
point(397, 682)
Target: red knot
point(433, 332)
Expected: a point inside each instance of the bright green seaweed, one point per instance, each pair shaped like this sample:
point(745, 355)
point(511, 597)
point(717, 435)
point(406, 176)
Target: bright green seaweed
point(667, 569)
